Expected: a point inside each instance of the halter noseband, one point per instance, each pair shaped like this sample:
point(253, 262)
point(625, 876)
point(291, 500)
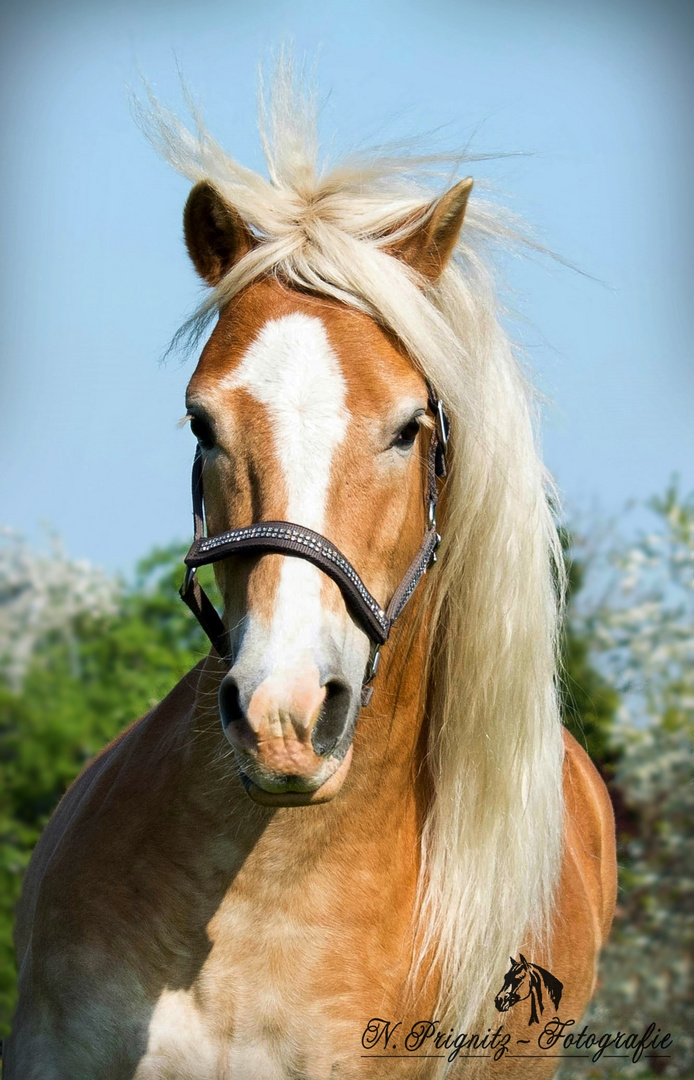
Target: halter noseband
point(284, 538)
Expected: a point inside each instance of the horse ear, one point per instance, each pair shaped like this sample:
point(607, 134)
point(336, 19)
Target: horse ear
point(513, 962)
point(431, 245)
point(523, 960)
point(215, 234)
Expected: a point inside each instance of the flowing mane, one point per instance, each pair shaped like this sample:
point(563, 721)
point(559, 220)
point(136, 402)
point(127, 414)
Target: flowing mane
point(491, 843)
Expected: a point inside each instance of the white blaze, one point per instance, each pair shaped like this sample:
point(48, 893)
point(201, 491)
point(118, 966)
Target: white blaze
point(292, 369)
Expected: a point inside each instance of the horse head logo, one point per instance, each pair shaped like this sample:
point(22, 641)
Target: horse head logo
point(525, 980)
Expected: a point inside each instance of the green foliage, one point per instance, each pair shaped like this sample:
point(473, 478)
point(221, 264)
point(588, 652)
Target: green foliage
point(589, 701)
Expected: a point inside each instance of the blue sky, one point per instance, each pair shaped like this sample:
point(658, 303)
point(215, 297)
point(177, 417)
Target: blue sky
point(94, 274)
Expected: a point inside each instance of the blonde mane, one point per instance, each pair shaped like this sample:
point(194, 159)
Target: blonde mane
point(492, 841)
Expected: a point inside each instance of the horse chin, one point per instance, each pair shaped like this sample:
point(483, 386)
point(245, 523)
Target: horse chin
point(322, 794)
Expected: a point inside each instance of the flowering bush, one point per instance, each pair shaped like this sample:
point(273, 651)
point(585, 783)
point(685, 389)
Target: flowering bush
point(642, 639)
point(42, 595)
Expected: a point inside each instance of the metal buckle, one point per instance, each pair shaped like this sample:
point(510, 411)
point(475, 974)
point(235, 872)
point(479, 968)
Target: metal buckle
point(432, 558)
point(432, 514)
point(187, 581)
point(372, 666)
point(432, 525)
point(442, 425)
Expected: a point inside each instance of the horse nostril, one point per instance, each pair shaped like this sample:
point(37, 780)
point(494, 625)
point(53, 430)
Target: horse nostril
point(230, 702)
point(333, 718)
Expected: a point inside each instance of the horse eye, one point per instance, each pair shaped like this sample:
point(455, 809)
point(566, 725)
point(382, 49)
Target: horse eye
point(407, 435)
point(202, 432)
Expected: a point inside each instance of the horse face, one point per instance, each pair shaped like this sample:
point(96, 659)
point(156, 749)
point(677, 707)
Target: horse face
point(306, 412)
point(510, 994)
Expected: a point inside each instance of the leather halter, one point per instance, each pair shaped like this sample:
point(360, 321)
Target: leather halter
point(285, 538)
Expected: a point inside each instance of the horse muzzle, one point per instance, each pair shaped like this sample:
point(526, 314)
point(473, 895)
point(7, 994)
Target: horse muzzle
point(291, 735)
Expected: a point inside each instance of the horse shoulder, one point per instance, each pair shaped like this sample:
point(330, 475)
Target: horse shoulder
point(87, 791)
point(590, 832)
point(59, 1010)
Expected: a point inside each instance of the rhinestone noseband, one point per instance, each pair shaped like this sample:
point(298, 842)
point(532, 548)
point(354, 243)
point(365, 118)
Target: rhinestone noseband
point(285, 538)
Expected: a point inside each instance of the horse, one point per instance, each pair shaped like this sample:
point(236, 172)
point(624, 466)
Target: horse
point(340, 822)
point(532, 979)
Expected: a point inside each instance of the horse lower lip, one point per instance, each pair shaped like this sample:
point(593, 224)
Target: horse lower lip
point(290, 789)
point(323, 793)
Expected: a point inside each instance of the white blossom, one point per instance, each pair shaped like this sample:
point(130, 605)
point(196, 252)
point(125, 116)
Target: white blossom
point(41, 594)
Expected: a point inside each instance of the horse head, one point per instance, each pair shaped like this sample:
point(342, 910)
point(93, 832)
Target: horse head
point(516, 986)
point(306, 411)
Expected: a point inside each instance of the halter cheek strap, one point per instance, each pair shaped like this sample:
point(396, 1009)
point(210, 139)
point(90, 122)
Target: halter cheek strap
point(285, 538)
